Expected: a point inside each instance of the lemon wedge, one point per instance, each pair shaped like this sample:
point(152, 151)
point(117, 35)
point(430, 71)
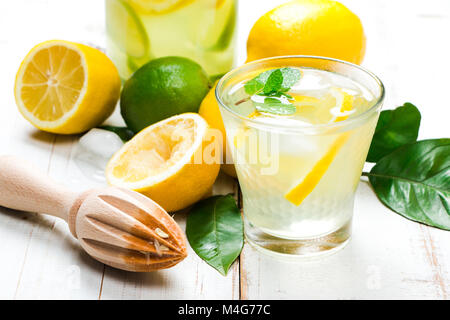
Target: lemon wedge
point(299, 193)
point(65, 87)
point(174, 162)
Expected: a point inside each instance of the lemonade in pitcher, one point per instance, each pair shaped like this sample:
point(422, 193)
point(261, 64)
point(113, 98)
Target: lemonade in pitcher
point(299, 129)
point(202, 30)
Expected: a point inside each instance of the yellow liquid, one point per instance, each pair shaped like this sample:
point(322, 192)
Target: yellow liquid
point(271, 160)
point(141, 30)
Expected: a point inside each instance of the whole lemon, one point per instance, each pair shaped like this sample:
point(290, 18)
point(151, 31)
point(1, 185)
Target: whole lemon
point(209, 110)
point(308, 27)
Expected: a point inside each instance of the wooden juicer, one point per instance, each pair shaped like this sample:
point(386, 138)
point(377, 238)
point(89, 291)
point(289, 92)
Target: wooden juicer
point(118, 227)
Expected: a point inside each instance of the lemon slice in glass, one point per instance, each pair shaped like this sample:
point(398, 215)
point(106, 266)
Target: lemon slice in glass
point(297, 194)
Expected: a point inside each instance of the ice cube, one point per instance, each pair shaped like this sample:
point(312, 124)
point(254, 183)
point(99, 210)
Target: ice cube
point(94, 150)
point(312, 83)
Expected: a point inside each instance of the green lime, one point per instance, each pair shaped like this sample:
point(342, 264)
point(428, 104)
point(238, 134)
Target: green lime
point(162, 88)
point(125, 29)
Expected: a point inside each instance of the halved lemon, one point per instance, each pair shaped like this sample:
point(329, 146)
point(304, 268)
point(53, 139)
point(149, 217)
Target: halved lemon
point(174, 162)
point(297, 194)
point(158, 6)
point(65, 87)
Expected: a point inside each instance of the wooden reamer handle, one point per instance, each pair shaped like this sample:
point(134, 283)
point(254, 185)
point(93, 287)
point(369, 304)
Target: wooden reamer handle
point(26, 188)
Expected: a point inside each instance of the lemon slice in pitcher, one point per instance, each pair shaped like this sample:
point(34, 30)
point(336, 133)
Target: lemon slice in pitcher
point(159, 6)
point(215, 30)
point(126, 29)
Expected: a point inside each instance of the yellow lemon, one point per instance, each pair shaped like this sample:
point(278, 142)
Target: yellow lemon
point(209, 110)
point(172, 161)
point(308, 27)
point(65, 87)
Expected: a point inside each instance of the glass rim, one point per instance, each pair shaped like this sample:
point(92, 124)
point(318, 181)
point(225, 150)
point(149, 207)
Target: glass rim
point(301, 127)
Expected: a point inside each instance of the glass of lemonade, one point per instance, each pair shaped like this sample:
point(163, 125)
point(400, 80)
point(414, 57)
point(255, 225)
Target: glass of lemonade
point(202, 30)
point(299, 172)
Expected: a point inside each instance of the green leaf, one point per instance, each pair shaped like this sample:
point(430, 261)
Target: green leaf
point(395, 128)
point(275, 106)
point(414, 181)
point(274, 82)
point(257, 84)
point(213, 79)
point(215, 231)
point(123, 132)
point(289, 76)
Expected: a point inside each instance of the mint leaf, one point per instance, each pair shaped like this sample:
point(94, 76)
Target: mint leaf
point(215, 231)
point(275, 106)
point(253, 86)
point(414, 181)
point(290, 77)
point(271, 84)
point(261, 83)
point(276, 94)
point(395, 128)
point(274, 82)
point(257, 84)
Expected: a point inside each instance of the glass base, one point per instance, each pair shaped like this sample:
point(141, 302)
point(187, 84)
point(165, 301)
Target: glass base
point(297, 249)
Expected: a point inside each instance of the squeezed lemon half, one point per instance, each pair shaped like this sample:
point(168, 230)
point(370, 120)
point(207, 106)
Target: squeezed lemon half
point(65, 87)
point(174, 162)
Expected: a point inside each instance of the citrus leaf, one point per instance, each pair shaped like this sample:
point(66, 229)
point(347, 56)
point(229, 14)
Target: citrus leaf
point(123, 132)
point(215, 231)
point(414, 181)
point(395, 128)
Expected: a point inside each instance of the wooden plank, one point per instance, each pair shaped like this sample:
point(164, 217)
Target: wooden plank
point(191, 279)
point(42, 259)
point(56, 266)
point(385, 259)
point(388, 256)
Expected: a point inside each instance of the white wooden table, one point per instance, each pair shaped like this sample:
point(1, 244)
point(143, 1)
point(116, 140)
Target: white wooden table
point(388, 256)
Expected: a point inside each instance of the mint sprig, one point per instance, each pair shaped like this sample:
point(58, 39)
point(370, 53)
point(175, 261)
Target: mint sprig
point(269, 82)
point(274, 84)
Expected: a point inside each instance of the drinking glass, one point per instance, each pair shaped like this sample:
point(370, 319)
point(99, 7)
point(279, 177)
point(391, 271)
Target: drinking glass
point(325, 161)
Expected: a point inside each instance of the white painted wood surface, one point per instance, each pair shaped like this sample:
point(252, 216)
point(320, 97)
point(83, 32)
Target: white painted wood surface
point(388, 257)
